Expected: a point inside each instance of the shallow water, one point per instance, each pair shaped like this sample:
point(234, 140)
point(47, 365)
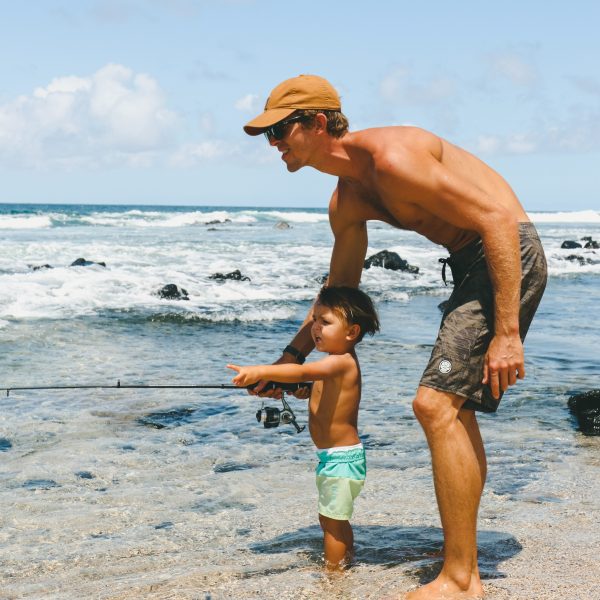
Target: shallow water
point(180, 493)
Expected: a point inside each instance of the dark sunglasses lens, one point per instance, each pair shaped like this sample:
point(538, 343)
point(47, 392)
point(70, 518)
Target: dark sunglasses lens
point(274, 133)
point(277, 131)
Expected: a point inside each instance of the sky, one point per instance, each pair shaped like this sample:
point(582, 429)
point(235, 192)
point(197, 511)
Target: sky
point(143, 101)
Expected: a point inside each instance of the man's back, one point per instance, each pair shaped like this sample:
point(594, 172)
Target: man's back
point(402, 175)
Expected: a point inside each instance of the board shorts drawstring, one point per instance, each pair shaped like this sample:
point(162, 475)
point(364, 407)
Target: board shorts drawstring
point(444, 262)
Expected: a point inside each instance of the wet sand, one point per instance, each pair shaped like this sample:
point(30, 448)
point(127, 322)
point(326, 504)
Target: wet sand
point(540, 546)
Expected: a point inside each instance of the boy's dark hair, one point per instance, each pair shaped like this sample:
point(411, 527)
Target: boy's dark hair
point(352, 305)
point(337, 123)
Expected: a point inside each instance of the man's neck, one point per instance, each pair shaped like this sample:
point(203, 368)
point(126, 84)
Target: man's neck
point(333, 158)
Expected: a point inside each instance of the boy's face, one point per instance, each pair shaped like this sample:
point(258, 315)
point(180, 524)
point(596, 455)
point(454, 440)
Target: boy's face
point(330, 332)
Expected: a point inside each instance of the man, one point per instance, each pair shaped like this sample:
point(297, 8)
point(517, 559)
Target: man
point(414, 180)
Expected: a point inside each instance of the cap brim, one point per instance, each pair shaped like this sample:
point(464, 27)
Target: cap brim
point(266, 119)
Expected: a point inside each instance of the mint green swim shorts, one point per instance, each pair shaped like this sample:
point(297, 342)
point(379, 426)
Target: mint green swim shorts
point(341, 476)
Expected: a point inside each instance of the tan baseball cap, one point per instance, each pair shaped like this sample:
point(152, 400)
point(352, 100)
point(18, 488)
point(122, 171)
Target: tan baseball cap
point(304, 91)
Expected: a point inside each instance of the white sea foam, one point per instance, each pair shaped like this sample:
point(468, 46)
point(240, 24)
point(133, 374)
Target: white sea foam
point(285, 268)
point(136, 218)
point(297, 216)
point(25, 221)
point(582, 216)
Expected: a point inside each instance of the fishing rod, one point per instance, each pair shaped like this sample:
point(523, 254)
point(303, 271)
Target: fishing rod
point(269, 416)
point(288, 387)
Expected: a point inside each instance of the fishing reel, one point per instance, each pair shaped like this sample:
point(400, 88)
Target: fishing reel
point(271, 416)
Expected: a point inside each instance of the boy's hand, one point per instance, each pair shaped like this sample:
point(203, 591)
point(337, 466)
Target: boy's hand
point(263, 387)
point(245, 375)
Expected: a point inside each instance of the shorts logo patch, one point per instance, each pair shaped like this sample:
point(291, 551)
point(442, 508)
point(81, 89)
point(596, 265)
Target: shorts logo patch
point(445, 366)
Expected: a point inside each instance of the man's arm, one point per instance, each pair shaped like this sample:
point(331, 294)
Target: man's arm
point(447, 195)
point(347, 258)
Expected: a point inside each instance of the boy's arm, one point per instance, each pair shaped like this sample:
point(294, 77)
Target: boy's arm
point(326, 368)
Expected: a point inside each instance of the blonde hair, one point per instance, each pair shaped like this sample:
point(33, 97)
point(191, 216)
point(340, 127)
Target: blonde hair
point(337, 123)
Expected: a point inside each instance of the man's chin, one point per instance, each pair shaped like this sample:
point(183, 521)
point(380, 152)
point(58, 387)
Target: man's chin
point(293, 166)
point(290, 164)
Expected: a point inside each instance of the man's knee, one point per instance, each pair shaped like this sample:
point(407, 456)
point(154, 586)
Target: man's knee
point(435, 409)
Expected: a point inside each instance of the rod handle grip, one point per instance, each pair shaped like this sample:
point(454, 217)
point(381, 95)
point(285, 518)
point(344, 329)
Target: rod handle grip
point(287, 387)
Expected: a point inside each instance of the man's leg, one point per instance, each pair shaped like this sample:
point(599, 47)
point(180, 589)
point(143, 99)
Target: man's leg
point(459, 470)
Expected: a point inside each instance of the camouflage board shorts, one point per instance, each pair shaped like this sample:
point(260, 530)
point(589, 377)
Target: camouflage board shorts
point(467, 327)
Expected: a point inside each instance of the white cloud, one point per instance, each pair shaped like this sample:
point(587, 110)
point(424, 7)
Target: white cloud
point(515, 143)
point(399, 86)
point(514, 68)
point(190, 155)
point(521, 144)
point(112, 115)
point(589, 85)
point(250, 103)
point(578, 134)
point(488, 144)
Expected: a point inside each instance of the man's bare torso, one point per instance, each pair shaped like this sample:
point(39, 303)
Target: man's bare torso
point(397, 180)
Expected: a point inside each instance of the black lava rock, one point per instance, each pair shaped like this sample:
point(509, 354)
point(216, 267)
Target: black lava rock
point(234, 275)
point(173, 292)
point(82, 262)
point(586, 407)
point(389, 260)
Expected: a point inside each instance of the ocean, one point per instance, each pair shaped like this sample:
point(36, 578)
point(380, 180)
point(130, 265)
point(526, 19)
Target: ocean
point(181, 493)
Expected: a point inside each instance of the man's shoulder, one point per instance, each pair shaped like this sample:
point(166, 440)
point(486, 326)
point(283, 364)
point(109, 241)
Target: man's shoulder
point(377, 138)
point(390, 146)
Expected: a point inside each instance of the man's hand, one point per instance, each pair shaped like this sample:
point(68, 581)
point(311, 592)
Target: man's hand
point(504, 363)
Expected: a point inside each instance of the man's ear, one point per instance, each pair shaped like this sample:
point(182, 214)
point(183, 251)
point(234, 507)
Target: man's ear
point(320, 122)
point(353, 332)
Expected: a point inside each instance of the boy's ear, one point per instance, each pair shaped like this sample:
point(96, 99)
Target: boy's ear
point(353, 332)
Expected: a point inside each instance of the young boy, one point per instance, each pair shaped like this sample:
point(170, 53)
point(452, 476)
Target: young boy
point(341, 317)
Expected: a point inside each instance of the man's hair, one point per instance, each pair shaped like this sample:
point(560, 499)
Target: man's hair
point(353, 306)
point(337, 123)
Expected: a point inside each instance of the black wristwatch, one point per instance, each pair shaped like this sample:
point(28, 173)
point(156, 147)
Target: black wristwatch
point(295, 353)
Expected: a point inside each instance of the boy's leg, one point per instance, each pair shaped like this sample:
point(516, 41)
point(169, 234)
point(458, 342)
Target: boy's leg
point(338, 541)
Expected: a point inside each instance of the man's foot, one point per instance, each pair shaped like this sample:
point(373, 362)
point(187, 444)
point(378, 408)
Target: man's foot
point(444, 589)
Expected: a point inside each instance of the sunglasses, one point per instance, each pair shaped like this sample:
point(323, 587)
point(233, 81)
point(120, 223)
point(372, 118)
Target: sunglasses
point(277, 132)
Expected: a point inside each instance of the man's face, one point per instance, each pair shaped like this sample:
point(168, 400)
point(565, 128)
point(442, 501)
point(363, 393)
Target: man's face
point(294, 145)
